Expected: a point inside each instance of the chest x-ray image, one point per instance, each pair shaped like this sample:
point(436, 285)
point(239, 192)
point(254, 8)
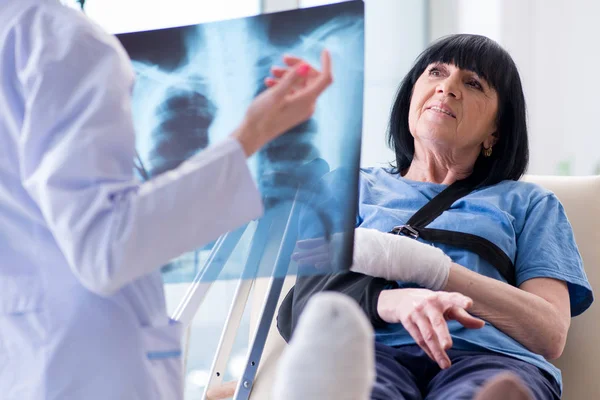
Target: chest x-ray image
point(194, 84)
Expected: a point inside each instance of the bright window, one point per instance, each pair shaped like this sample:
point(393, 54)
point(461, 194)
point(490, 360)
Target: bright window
point(313, 3)
point(118, 16)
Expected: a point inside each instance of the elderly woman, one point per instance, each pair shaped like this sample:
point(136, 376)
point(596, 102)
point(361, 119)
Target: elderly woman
point(494, 276)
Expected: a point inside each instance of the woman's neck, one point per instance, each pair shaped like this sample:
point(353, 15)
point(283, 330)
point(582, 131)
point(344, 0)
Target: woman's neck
point(446, 169)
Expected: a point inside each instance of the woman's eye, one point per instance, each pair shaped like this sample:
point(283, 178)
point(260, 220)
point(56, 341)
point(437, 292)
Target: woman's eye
point(475, 84)
point(434, 71)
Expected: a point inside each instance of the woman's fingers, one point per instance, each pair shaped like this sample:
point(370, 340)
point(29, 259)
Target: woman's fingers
point(466, 319)
point(455, 306)
point(453, 299)
point(413, 330)
point(431, 339)
point(430, 319)
point(312, 252)
point(310, 243)
point(311, 259)
point(440, 327)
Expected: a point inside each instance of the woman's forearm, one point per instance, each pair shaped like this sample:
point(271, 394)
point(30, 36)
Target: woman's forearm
point(526, 317)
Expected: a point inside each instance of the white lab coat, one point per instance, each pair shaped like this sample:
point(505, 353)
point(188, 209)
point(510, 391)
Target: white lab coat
point(82, 308)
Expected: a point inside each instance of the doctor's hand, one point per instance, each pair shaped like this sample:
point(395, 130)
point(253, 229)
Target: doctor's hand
point(290, 100)
point(424, 313)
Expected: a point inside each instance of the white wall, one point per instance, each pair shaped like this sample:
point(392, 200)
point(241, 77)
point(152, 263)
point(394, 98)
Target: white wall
point(554, 43)
point(395, 34)
point(558, 52)
point(464, 16)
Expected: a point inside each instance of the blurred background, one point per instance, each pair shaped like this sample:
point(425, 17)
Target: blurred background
point(553, 42)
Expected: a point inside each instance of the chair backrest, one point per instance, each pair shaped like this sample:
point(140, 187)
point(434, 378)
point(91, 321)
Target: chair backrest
point(579, 363)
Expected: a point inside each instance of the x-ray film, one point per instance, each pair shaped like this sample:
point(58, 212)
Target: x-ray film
point(194, 84)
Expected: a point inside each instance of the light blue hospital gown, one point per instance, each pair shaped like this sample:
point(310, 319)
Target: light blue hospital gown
point(82, 308)
point(526, 221)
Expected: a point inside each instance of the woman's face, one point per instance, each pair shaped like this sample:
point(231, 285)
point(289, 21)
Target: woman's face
point(453, 108)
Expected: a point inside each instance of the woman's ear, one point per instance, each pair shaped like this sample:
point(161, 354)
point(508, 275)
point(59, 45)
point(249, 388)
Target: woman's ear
point(491, 140)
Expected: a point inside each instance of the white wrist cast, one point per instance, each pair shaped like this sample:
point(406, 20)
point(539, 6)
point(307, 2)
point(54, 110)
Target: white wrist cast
point(399, 258)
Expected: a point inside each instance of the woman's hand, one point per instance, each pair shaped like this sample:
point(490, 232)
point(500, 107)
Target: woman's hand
point(424, 313)
point(290, 100)
point(318, 252)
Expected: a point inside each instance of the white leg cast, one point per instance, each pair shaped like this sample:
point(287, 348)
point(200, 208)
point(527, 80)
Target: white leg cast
point(331, 354)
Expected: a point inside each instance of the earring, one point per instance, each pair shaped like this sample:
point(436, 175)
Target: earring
point(487, 152)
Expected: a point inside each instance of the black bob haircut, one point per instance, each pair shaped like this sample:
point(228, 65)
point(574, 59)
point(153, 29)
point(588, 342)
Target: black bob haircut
point(491, 62)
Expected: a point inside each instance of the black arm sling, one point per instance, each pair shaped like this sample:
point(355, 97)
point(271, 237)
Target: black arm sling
point(415, 227)
point(365, 289)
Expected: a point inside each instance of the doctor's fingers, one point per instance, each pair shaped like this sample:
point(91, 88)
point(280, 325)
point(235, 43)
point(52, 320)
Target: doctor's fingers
point(291, 82)
point(316, 81)
point(291, 60)
point(315, 85)
point(280, 72)
point(271, 82)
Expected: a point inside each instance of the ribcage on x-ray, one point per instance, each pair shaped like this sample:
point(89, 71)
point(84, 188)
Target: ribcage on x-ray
point(185, 117)
point(284, 164)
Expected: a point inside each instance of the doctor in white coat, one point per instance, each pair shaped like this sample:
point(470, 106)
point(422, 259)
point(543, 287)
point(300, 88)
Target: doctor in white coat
point(82, 308)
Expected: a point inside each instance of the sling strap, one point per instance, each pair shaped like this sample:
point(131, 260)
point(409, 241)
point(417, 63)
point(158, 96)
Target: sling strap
point(416, 228)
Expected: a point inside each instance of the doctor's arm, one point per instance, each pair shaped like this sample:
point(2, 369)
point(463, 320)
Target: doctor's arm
point(77, 147)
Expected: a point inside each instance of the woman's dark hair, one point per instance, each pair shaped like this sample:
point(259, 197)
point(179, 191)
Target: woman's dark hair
point(491, 62)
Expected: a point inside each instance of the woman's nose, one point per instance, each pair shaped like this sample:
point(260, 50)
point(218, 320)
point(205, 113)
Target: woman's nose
point(449, 87)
